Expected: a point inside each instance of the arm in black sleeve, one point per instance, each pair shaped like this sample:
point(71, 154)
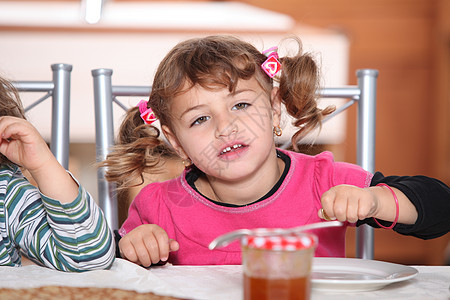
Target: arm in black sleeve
point(431, 198)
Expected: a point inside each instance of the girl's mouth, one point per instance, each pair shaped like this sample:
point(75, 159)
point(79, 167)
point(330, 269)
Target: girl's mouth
point(231, 149)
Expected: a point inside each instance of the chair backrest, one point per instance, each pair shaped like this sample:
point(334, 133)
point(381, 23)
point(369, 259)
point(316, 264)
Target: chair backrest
point(364, 94)
point(59, 90)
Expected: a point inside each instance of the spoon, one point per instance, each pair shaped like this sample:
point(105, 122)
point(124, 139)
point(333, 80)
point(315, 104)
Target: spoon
point(227, 238)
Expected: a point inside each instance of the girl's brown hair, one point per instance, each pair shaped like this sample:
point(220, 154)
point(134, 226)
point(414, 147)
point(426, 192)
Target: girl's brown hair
point(213, 62)
point(10, 105)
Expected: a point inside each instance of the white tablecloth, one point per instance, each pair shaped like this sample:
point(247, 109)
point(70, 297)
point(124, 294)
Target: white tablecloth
point(211, 282)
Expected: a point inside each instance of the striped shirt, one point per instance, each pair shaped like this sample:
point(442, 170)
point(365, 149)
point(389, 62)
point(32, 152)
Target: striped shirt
point(68, 237)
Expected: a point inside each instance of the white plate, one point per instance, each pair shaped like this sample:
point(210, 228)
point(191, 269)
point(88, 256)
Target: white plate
point(356, 275)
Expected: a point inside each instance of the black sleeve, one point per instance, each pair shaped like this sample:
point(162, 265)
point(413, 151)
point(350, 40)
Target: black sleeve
point(431, 198)
point(117, 238)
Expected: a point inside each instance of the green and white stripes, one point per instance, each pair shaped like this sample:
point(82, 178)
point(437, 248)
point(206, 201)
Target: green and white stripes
point(67, 237)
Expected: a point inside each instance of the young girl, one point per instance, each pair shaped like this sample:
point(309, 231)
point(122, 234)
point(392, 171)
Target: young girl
point(219, 110)
point(57, 225)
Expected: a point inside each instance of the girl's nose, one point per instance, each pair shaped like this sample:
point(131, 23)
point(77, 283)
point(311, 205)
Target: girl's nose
point(226, 127)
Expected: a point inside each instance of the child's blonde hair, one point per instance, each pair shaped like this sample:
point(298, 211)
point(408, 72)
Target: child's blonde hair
point(213, 62)
point(10, 105)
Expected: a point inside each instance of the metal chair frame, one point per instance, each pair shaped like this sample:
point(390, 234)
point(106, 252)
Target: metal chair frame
point(59, 90)
point(364, 94)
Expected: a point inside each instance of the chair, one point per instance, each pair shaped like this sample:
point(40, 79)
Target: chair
point(59, 90)
point(364, 93)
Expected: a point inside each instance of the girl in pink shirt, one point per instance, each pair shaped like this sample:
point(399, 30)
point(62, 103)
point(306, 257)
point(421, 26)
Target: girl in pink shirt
point(219, 109)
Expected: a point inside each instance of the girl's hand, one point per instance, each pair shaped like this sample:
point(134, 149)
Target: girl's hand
point(22, 144)
point(349, 203)
point(147, 244)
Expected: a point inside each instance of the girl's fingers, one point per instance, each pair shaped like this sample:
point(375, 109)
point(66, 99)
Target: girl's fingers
point(340, 213)
point(352, 211)
point(144, 253)
point(327, 210)
point(143, 256)
point(127, 250)
point(152, 249)
point(339, 203)
point(146, 245)
point(323, 215)
point(173, 245)
point(347, 203)
point(160, 251)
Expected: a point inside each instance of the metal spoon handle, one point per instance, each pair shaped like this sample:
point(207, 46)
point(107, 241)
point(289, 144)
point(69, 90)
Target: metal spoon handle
point(314, 226)
point(227, 238)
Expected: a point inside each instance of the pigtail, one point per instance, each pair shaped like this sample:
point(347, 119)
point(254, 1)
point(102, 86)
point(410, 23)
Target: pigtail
point(138, 149)
point(298, 86)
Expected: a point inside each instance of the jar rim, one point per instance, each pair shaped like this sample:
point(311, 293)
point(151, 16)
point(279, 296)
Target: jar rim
point(291, 242)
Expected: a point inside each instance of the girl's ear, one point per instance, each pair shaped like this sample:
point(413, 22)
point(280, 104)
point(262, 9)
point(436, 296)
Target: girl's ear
point(276, 106)
point(173, 140)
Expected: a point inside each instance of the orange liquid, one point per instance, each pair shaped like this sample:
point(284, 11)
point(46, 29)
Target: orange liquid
point(279, 289)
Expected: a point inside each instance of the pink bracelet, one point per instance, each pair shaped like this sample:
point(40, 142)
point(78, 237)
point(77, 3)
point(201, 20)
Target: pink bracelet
point(397, 208)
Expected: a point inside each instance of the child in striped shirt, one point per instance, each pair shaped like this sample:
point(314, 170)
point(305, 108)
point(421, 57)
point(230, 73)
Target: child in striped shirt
point(56, 224)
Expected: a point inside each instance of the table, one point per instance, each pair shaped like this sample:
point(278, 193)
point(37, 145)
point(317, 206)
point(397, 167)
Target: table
point(210, 282)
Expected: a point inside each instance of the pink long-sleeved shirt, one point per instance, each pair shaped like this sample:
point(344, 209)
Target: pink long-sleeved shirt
point(195, 221)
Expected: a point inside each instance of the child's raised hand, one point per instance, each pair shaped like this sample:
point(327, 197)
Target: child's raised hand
point(22, 144)
point(348, 203)
point(147, 244)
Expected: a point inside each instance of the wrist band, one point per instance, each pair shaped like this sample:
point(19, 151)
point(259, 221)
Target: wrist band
point(396, 205)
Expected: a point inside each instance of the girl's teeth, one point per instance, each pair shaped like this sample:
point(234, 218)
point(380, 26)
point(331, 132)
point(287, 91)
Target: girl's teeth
point(228, 149)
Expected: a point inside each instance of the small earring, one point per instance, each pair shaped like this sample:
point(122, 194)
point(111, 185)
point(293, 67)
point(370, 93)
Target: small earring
point(187, 162)
point(277, 130)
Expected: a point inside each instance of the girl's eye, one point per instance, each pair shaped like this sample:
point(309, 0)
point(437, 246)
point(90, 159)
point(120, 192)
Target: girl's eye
point(200, 120)
point(241, 106)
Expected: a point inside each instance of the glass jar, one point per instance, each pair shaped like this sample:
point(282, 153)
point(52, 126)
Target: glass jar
point(278, 267)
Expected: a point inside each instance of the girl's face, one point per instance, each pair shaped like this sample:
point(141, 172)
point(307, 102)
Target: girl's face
point(228, 136)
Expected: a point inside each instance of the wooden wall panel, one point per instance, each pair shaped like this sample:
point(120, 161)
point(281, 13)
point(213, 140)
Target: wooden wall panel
point(441, 84)
point(395, 37)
